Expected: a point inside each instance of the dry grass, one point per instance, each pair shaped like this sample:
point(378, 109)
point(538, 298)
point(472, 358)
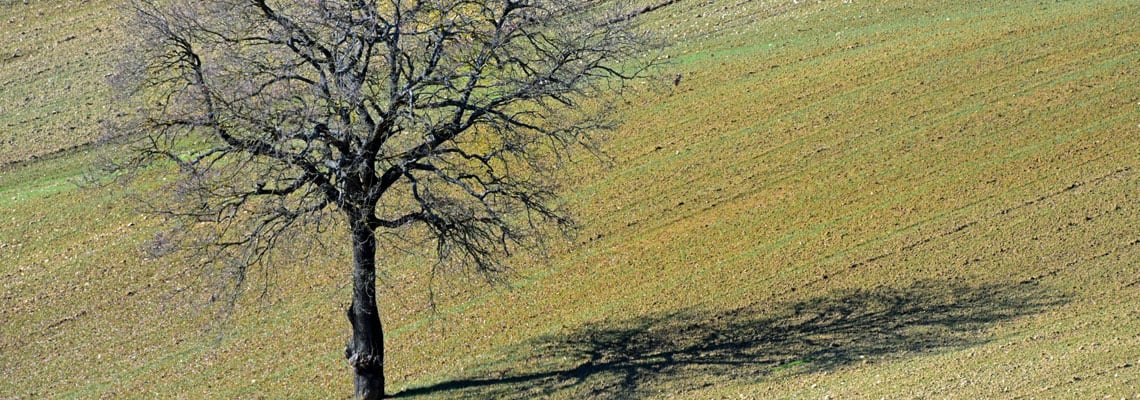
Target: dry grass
point(854, 200)
point(55, 58)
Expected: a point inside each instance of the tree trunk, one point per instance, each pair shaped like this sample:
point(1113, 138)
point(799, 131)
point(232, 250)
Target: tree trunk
point(365, 352)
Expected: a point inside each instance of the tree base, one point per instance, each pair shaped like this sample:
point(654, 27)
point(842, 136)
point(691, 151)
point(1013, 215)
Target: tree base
point(369, 387)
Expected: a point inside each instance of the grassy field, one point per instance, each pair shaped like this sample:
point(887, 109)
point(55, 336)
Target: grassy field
point(839, 200)
point(55, 60)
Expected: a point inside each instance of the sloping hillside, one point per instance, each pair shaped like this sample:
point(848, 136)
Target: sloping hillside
point(838, 199)
point(55, 58)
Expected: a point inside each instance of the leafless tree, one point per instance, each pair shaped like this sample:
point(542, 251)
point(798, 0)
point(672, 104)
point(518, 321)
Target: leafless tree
point(442, 116)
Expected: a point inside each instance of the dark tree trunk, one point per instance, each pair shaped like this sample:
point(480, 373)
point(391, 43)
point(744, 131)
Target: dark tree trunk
point(365, 352)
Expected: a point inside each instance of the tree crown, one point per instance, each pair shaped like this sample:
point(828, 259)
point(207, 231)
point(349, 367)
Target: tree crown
point(448, 115)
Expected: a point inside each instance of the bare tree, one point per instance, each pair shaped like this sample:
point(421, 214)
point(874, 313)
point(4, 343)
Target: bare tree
point(442, 116)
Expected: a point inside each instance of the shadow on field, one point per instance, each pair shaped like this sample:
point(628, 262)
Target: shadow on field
point(694, 348)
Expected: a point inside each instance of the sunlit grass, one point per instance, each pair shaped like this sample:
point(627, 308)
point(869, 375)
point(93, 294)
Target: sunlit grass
point(854, 199)
point(55, 61)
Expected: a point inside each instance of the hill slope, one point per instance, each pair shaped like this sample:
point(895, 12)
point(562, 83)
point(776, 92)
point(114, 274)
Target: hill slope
point(55, 58)
point(855, 200)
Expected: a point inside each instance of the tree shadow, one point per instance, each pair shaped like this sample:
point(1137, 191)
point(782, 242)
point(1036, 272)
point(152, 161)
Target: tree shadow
point(695, 348)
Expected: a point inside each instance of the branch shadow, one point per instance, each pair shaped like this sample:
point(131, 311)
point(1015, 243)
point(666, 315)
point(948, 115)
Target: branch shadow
point(693, 348)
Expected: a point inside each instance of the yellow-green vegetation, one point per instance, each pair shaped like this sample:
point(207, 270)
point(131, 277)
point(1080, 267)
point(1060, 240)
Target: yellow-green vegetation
point(924, 199)
point(55, 61)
